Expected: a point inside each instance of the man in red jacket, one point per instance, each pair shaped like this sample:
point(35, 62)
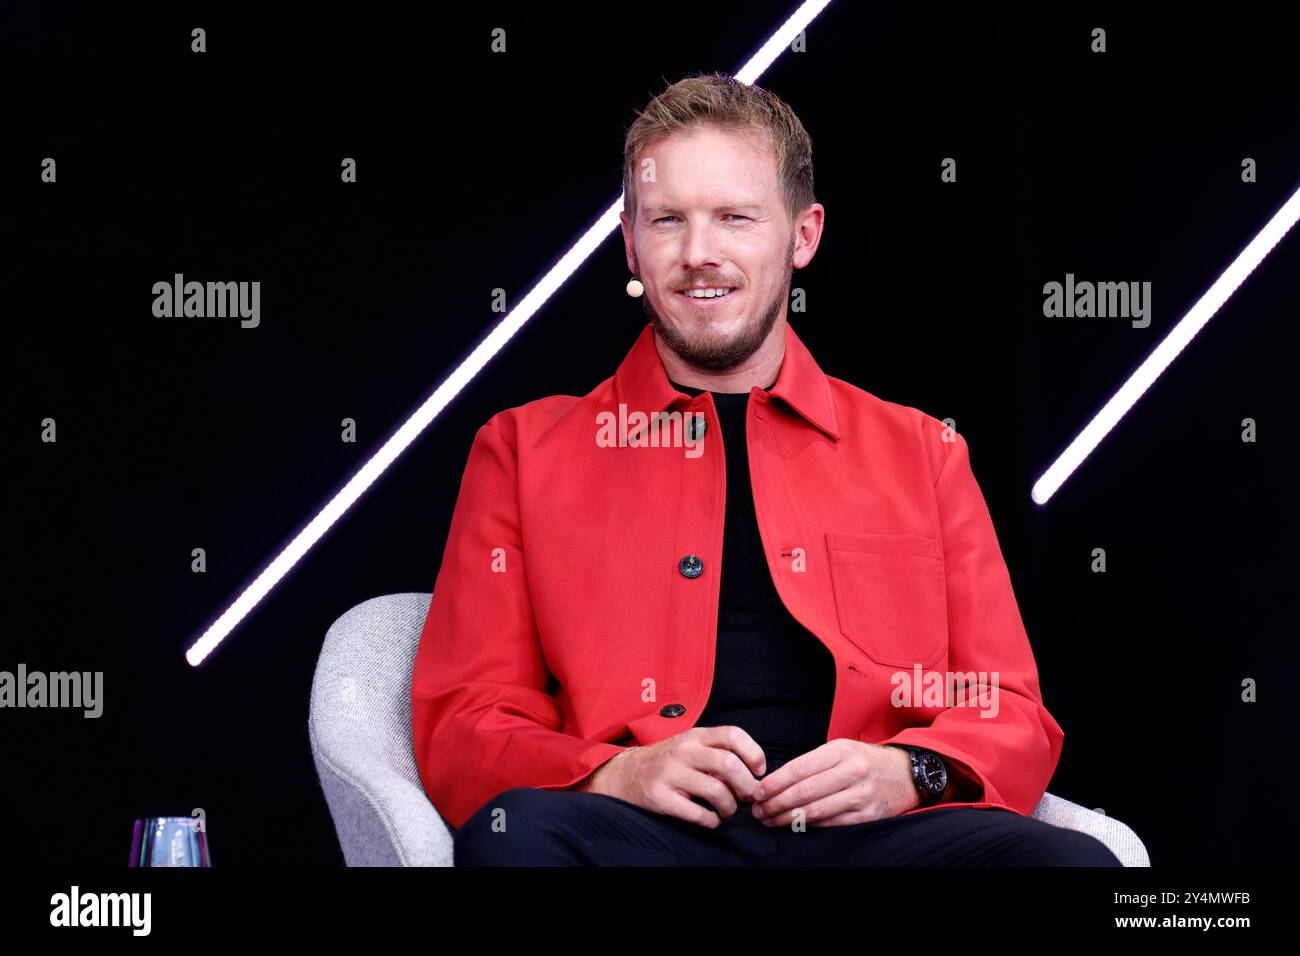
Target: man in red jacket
point(726, 609)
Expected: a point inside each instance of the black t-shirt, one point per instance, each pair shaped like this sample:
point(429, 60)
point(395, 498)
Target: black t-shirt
point(771, 676)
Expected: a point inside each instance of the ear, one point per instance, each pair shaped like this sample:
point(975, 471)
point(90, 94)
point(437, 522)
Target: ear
point(629, 247)
point(808, 234)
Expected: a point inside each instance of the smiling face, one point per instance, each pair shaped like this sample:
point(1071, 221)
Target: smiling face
point(714, 221)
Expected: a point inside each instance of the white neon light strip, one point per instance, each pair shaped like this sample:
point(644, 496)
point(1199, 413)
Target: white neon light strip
point(389, 452)
point(1164, 353)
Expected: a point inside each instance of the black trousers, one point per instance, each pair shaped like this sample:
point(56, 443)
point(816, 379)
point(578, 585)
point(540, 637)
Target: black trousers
point(527, 826)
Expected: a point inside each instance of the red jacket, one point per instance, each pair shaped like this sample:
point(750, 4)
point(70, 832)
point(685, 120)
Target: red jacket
point(564, 626)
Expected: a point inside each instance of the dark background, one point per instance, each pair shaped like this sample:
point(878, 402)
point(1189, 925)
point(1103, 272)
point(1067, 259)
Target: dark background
point(477, 171)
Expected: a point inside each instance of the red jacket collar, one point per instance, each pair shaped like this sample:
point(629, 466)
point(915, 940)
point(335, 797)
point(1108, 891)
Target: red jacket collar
point(642, 384)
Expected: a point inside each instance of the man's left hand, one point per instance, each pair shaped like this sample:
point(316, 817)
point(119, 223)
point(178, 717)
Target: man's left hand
point(841, 782)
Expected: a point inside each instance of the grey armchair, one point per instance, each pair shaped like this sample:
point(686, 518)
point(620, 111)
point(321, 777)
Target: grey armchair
point(360, 731)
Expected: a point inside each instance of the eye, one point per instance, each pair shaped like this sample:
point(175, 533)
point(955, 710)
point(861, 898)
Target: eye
point(737, 215)
point(662, 218)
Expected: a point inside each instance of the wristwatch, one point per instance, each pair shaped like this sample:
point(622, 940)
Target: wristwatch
point(928, 773)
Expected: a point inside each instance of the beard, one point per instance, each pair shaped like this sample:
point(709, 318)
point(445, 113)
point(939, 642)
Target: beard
point(707, 352)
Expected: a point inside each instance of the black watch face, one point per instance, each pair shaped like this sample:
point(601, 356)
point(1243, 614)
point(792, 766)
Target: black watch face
point(933, 773)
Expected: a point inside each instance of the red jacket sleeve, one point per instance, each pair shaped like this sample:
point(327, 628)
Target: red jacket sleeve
point(482, 719)
point(1008, 758)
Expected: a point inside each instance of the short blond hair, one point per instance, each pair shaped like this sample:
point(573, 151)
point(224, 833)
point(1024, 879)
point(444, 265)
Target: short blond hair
point(722, 101)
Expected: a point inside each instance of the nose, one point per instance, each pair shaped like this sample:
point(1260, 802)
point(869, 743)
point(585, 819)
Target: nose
point(700, 248)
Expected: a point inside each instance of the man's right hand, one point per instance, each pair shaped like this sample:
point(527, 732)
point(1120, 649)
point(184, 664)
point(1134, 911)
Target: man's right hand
point(718, 764)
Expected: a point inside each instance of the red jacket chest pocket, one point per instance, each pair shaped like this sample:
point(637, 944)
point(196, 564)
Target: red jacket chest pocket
point(890, 596)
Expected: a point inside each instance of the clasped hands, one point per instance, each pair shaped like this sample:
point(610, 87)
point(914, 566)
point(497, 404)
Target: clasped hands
point(841, 782)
